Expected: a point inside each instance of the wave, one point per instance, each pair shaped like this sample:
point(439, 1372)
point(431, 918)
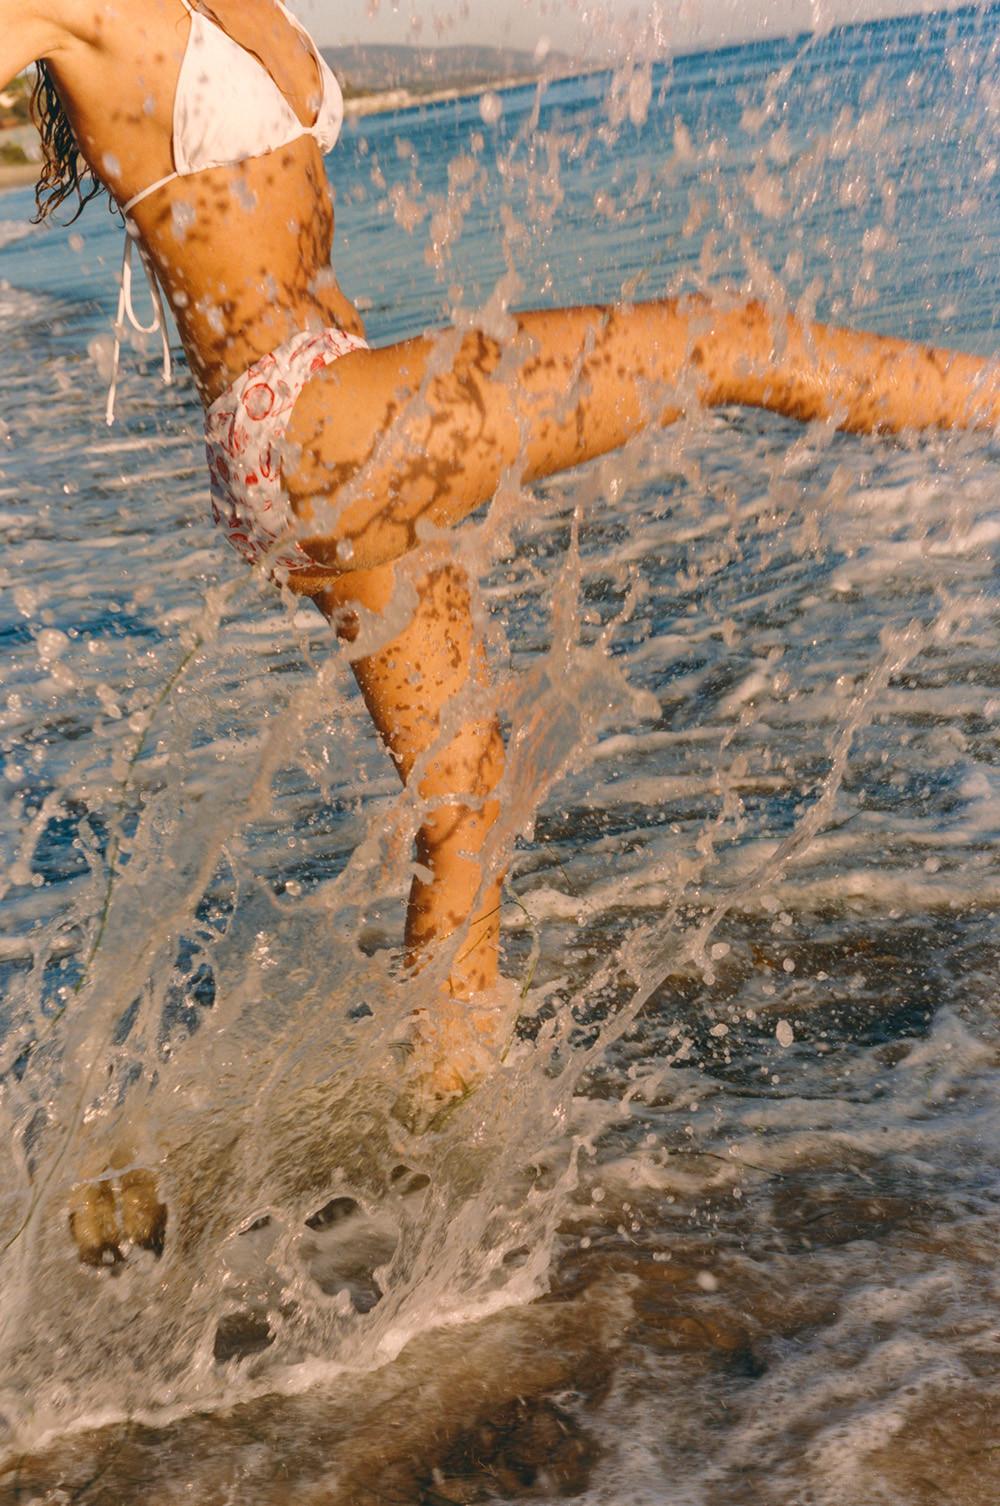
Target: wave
point(15, 230)
point(17, 304)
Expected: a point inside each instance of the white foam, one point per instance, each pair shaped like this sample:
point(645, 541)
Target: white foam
point(12, 231)
point(750, 584)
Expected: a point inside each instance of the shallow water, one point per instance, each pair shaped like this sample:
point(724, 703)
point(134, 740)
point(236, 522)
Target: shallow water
point(722, 1227)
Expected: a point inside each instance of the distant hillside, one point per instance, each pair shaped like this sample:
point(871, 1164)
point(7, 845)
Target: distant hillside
point(14, 103)
point(367, 68)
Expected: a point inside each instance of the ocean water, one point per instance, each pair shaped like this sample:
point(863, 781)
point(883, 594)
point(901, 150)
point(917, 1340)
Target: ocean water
point(722, 1227)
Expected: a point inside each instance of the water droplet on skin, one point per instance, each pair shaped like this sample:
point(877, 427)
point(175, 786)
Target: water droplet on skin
point(245, 195)
point(182, 217)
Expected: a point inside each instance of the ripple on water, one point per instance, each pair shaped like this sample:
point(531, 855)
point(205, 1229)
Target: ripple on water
point(723, 1227)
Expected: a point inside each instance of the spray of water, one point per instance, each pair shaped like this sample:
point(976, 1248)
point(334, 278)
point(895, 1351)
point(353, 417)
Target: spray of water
point(745, 677)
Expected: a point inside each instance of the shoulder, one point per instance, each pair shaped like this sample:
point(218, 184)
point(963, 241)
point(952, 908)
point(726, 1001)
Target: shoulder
point(81, 20)
point(30, 30)
point(42, 25)
point(65, 21)
point(33, 31)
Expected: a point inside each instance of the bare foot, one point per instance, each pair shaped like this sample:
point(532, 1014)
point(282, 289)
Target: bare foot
point(451, 1049)
point(102, 1223)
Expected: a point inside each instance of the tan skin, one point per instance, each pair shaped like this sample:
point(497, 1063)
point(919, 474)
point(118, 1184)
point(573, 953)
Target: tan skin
point(423, 430)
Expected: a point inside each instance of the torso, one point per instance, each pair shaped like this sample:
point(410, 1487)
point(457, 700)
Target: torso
point(243, 253)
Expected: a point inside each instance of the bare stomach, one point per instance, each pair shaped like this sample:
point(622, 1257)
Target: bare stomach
point(244, 257)
point(259, 336)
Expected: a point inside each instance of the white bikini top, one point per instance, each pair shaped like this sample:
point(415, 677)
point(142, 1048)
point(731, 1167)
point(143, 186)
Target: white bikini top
point(227, 108)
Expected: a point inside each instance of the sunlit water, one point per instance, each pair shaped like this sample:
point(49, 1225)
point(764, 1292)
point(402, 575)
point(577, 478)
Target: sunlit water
point(723, 1226)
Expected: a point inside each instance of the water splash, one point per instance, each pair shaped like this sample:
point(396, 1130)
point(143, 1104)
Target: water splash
point(751, 802)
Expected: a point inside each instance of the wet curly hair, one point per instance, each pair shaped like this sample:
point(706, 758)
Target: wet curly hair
point(64, 173)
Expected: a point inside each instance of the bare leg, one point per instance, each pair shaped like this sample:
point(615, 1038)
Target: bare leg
point(424, 430)
point(407, 686)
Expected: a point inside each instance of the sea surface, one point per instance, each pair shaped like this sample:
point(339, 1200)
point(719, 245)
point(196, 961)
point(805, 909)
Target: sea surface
point(722, 1228)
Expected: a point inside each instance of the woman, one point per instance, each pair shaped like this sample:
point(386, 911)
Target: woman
point(212, 144)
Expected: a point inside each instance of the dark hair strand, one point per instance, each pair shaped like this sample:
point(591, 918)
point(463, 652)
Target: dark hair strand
point(64, 171)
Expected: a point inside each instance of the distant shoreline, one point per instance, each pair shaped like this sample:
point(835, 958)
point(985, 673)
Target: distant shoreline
point(387, 101)
point(18, 174)
point(390, 101)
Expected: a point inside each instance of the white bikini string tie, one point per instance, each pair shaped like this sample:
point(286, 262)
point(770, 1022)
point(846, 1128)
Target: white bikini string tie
point(126, 312)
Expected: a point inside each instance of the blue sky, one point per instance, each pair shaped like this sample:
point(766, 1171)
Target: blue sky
point(586, 26)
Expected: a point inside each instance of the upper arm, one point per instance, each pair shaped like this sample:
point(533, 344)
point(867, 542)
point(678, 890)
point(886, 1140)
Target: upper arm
point(26, 36)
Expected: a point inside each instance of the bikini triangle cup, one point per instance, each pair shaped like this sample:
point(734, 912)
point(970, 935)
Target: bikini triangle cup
point(249, 117)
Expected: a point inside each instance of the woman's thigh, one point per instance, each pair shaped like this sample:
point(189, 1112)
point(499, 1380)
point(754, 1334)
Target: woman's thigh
point(382, 440)
point(425, 429)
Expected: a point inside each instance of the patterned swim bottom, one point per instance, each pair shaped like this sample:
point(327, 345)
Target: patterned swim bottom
point(244, 430)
